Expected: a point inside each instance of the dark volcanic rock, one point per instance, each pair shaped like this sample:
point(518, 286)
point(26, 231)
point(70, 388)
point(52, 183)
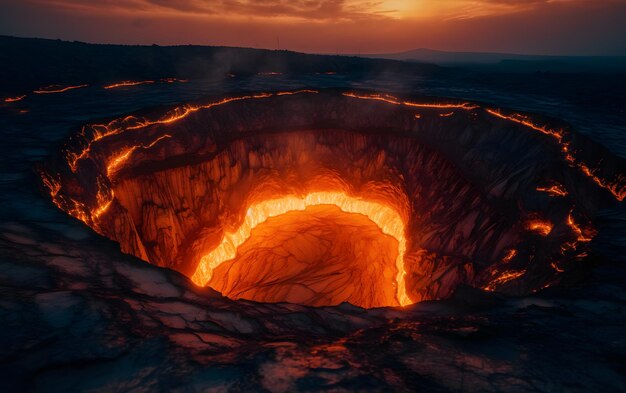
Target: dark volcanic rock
point(78, 315)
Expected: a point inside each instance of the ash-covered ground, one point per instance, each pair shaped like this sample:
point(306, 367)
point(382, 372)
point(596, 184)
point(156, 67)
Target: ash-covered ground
point(78, 315)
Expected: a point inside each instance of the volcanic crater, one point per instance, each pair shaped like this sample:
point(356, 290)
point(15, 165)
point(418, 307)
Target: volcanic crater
point(319, 197)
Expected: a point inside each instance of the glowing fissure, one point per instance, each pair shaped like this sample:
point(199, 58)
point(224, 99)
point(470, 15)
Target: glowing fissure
point(105, 195)
point(57, 89)
point(387, 219)
point(554, 191)
point(542, 227)
point(556, 267)
point(73, 208)
point(524, 120)
point(132, 123)
point(51, 89)
point(394, 100)
point(504, 277)
point(144, 82)
point(580, 236)
point(509, 255)
point(119, 159)
point(174, 80)
point(290, 93)
point(104, 199)
point(617, 188)
point(15, 99)
point(127, 83)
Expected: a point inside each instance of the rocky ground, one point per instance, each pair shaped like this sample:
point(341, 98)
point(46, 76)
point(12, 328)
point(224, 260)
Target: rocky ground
point(78, 315)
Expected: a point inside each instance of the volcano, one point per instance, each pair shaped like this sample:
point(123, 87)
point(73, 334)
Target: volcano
point(320, 197)
point(274, 221)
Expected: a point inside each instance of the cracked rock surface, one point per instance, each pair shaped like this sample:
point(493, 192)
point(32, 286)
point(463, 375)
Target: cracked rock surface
point(78, 315)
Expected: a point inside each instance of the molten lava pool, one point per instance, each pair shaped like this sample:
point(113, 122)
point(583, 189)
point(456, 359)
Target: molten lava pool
point(324, 197)
point(319, 255)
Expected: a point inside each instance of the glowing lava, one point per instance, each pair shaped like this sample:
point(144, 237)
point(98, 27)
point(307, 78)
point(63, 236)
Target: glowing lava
point(542, 227)
point(119, 159)
point(14, 99)
point(174, 80)
point(57, 89)
point(387, 219)
point(504, 277)
point(509, 255)
point(617, 188)
point(526, 121)
point(290, 93)
point(580, 236)
point(127, 83)
point(394, 100)
point(554, 191)
point(132, 123)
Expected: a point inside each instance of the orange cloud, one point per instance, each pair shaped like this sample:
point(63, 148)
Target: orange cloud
point(320, 10)
point(296, 9)
point(579, 27)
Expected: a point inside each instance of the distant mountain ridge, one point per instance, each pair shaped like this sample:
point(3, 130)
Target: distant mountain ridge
point(510, 61)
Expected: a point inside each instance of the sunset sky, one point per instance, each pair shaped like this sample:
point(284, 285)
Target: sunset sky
point(555, 27)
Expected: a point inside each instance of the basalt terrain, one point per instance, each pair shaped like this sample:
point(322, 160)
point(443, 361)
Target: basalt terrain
point(274, 232)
